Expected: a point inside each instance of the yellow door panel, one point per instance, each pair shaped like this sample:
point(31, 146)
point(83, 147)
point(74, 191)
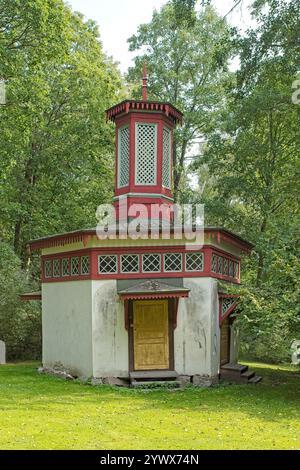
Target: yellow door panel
point(151, 334)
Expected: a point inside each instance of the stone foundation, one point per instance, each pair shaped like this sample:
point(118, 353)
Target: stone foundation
point(203, 381)
point(56, 372)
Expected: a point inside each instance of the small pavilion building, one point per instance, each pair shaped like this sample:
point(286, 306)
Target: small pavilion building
point(146, 308)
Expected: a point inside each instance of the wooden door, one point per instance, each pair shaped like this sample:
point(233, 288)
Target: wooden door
point(225, 342)
point(151, 334)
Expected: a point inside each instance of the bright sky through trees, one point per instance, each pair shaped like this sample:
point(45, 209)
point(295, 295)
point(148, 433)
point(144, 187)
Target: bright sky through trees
point(119, 19)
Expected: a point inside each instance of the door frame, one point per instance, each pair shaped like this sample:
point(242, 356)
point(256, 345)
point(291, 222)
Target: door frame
point(229, 322)
point(171, 316)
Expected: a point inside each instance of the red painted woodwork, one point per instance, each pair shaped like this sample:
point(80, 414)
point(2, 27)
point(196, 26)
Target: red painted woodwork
point(127, 106)
point(144, 86)
point(230, 310)
point(151, 296)
point(136, 193)
point(31, 296)
point(129, 113)
point(93, 254)
point(82, 236)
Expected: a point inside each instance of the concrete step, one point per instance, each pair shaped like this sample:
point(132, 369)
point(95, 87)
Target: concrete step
point(238, 373)
point(153, 375)
point(255, 380)
point(248, 374)
point(155, 384)
point(234, 367)
point(231, 375)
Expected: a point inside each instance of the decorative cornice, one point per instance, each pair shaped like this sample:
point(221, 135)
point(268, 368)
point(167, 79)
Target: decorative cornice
point(85, 235)
point(141, 106)
point(31, 296)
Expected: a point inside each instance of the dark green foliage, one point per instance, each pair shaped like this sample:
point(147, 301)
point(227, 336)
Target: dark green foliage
point(20, 322)
point(184, 11)
point(253, 160)
point(57, 152)
point(187, 66)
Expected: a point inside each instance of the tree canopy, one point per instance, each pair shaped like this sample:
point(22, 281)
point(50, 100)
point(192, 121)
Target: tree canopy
point(57, 152)
point(187, 55)
point(253, 157)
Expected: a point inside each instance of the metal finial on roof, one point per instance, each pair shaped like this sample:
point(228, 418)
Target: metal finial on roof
point(144, 86)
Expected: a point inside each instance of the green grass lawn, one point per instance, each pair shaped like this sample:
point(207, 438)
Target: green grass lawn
point(41, 412)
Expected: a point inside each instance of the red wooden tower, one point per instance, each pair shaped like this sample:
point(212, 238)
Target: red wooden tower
point(144, 149)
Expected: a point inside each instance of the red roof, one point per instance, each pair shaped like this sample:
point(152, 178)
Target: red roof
point(85, 234)
point(141, 106)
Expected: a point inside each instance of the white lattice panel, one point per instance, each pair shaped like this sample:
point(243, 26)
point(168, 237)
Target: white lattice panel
point(130, 263)
point(145, 154)
point(85, 265)
point(173, 262)
point(56, 268)
point(214, 263)
point(166, 162)
point(220, 264)
point(225, 267)
point(65, 267)
point(48, 268)
point(107, 264)
point(75, 266)
point(231, 268)
point(236, 270)
point(194, 262)
point(123, 157)
point(151, 263)
point(227, 303)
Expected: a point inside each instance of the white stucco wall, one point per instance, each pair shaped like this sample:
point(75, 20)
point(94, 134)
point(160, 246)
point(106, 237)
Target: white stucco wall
point(110, 338)
point(196, 338)
point(67, 325)
point(84, 328)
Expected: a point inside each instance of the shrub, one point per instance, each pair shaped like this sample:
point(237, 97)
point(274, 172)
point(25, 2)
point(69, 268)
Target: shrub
point(20, 322)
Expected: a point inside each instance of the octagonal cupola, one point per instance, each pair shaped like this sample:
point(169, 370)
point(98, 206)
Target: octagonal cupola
point(144, 140)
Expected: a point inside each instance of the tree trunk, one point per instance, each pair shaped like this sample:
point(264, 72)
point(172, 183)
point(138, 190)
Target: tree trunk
point(261, 257)
point(28, 178)
point(178, 168)
point(17, 236)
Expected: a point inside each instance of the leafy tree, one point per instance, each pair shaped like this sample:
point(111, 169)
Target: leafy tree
point(186, 54)
point(57, 152)
point(253, 157)
point(30, 26)
point(184, 12)
point(56, 149)
point(20, 322)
